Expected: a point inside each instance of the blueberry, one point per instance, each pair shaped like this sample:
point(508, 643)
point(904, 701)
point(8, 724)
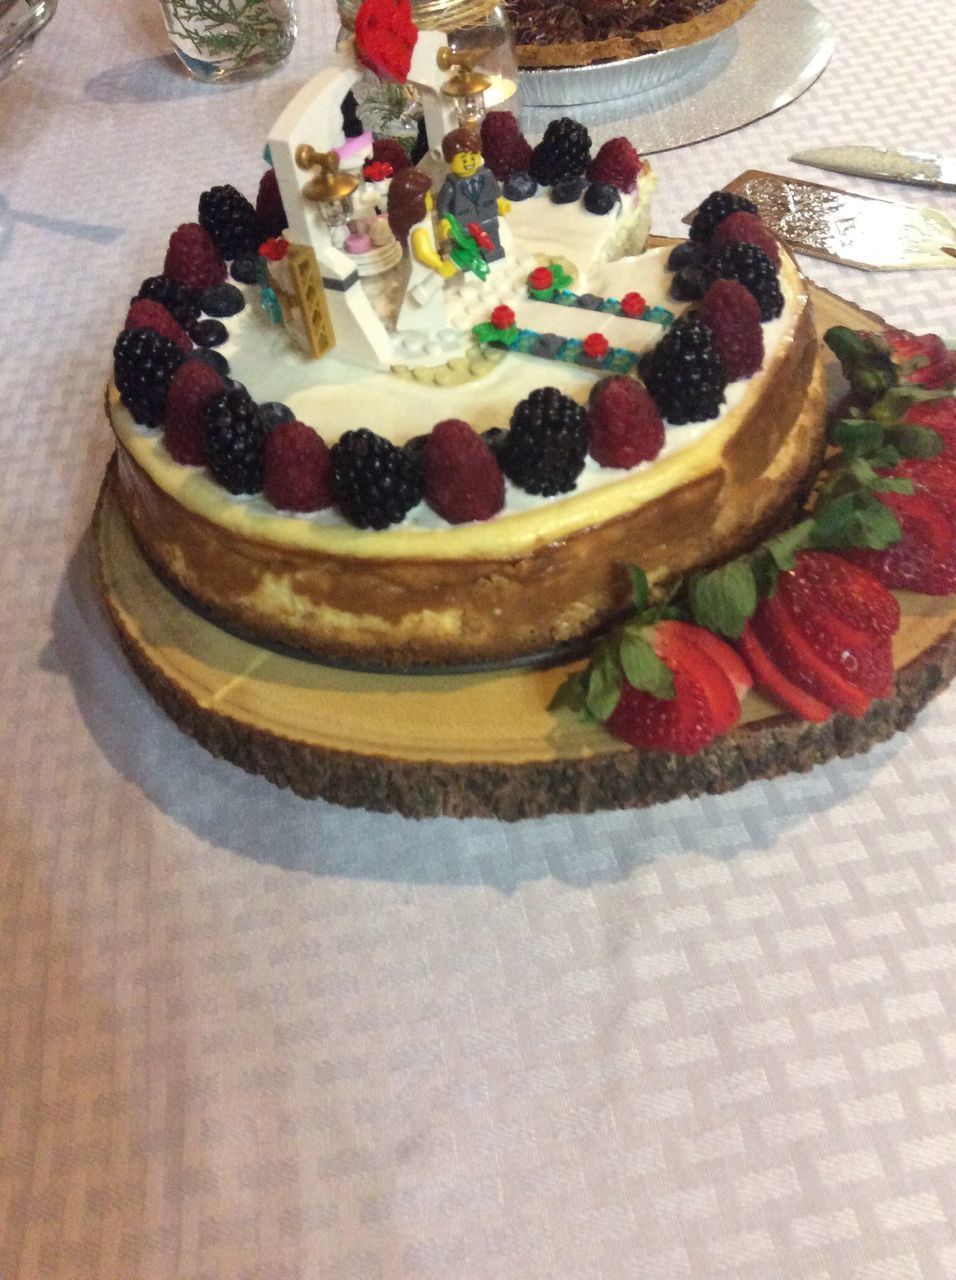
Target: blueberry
point(245, 268)
point(221, 300)
point(274, 412)
point(689, 284)
point(520, 186)
point(215, 359)
point(601, 197)
point(208, 333)
point(494, 438)
point(567, 190)
point(686, 254)
point(415, 448)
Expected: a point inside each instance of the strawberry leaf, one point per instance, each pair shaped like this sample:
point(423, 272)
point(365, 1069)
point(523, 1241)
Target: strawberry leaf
point(915, 442)
point(784, 547)
point(640, 587)
point(855, 520)
point(642, 667)
point(857, 435)
point(570, 693)
point(605, 679)
point(724, 599)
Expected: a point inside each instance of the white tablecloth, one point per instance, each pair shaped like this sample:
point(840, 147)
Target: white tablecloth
point(248, 1037)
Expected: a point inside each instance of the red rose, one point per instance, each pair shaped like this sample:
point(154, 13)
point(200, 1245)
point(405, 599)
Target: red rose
point(385, 36)
point(541, 278)
point(595, 345)
point(633, 305)
point(377, 171)
point(502, 317)
point(275, 249)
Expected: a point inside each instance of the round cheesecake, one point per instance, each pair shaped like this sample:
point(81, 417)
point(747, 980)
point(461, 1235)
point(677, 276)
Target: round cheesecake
point(577, 33)
point(544, 571)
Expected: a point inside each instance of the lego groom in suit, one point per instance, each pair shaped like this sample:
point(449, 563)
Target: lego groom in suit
point(470, 192)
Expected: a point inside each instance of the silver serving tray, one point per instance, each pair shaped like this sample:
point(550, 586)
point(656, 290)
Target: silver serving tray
point(681, 96)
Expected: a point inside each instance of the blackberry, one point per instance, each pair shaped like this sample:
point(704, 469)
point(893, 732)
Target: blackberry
point(689, 284)
point(208, 333)
point(563, 152)
point(717, 206)
point(687, 254)
point(231, 221)
point(601, 197)
point(750, 265)
point(234, 438)
point(375, 484)
point(567, 190)
point(221, 300)
point(684, 373)
point(180, 301)
point(143, 366)
point(545, 449)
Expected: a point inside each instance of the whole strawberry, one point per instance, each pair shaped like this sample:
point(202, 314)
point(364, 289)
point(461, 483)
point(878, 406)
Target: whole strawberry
point(733, 313)
point(921, 359)
point(193, 259)
point(298, 468)
point(924, 559)
point(625, 426)
point(462, 479)
point(616, 162)
point(145, 314)
point(194, 384)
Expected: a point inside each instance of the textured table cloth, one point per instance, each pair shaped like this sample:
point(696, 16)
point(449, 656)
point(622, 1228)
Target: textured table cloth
point(248, 1037)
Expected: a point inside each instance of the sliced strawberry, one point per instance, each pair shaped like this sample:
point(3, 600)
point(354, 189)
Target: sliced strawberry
point(826, 583)
point(924, 559)
point(799, 661)
point(935, 476)
point(768, 677)
point(875, 674)
point(722, 653)
point(684, 646)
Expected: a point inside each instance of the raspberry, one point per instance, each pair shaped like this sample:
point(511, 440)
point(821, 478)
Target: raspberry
point(617, 163)
point(505, 148)
point(624, 424)
point(375, 484)
point(733, 313)
point(461, 477)
point(298, 468)
point(234, 436)
point(143, 366)
point(563, 152)
point(746, 228)
point(144, 314)
point(545, 449)
point(751, 266)
point(230, 220)
point(270, 211)
point(684, 372)
point(391, 151)
point(180, 301)
point(713, 210)
point(194, 384)
point(193, 259)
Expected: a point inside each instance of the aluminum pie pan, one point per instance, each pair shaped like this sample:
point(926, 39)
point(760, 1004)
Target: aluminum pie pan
point(774, 53)
point(573, 86)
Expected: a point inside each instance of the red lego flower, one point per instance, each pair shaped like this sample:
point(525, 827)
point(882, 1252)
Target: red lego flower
point(541, 278)
point(503, 318)
point(480, 236)
point(595, 346)
point(275, 249)
point(633, 305)
point(377, 171)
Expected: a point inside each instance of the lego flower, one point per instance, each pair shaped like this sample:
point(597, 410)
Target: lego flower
point(595, 346)
point(633, 305)
point(274, 249)
point(502, 317)
point(541, 278)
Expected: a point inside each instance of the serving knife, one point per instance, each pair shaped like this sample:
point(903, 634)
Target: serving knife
point(885, 163)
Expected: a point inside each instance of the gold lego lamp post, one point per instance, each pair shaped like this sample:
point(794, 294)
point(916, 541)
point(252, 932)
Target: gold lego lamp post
point(467, 87)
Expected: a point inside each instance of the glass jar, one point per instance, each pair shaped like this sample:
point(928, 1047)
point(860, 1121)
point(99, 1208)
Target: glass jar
point(467, 25)
point(230, 39)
